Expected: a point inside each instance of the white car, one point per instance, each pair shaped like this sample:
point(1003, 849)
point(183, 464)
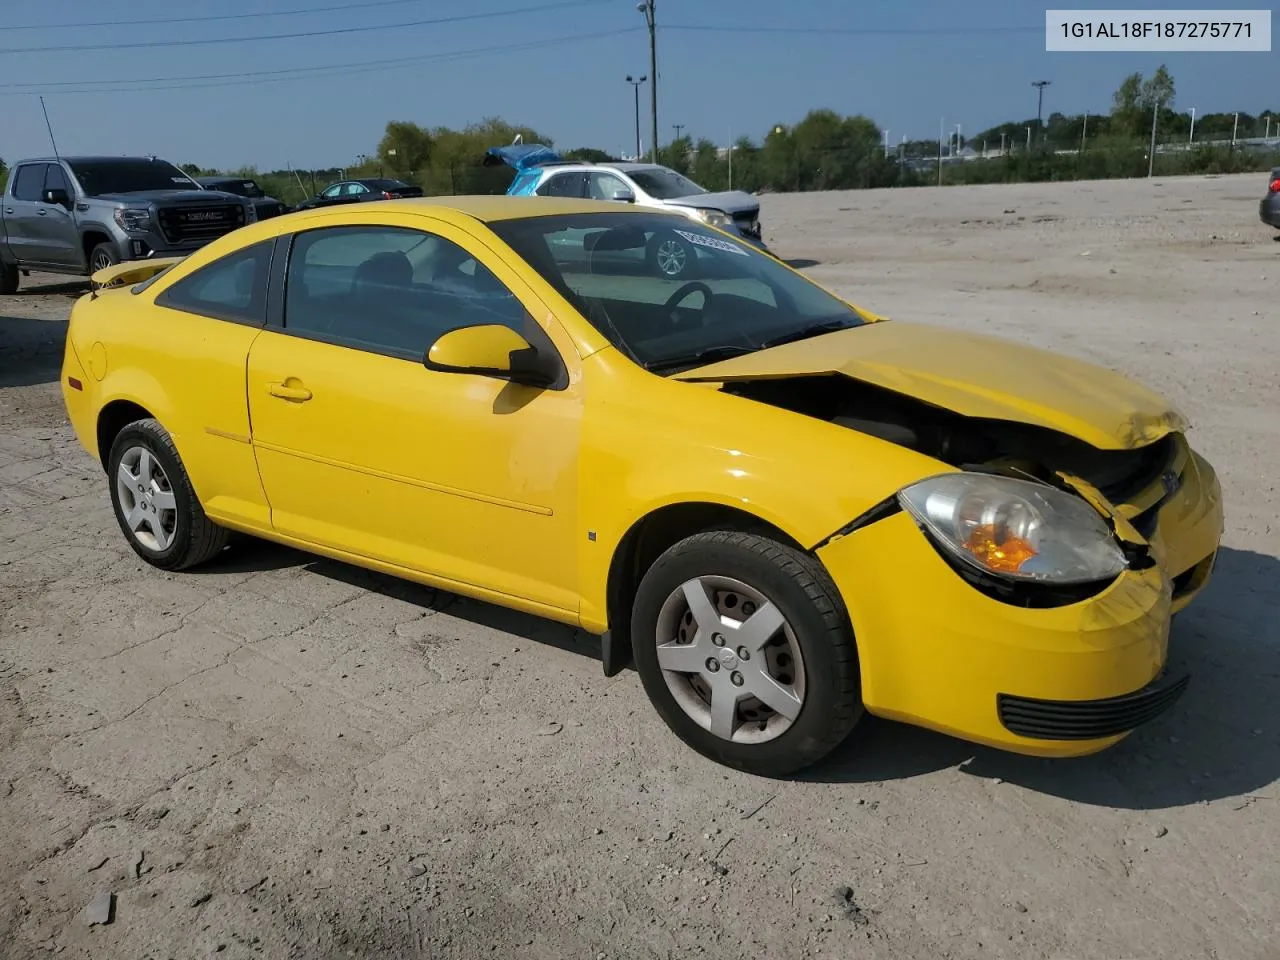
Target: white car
point(541, 172)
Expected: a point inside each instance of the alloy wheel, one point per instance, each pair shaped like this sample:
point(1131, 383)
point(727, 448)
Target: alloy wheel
point(146, 499)
point(730, 659)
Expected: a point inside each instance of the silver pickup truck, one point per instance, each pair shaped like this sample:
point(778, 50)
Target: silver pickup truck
point(77, 215)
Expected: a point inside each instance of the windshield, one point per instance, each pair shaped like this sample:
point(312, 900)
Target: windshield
point(729, 299)
point(664, 184)
point(99, 177)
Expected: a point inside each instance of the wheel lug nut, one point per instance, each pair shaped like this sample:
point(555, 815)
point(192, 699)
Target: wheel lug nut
point(744, 654)
point(736, 678)
point(713, 665)
point(718, 639)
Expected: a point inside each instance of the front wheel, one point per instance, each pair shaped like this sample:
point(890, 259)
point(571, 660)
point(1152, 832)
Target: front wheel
point(155, 505)
point(672, 257)
point(8, 278)
point(744, 648)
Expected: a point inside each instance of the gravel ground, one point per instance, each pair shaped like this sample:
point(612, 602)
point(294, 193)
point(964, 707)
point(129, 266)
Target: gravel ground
point(282, 756)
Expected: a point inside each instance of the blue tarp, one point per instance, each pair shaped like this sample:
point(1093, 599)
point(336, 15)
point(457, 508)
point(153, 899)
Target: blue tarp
point(521, 156)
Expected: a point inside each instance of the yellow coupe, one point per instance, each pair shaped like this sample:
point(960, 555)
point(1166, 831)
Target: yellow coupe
point(783, 509)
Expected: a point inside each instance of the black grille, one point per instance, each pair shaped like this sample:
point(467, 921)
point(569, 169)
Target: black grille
point(205, 221)
point(1088, 719)
point(748, 221)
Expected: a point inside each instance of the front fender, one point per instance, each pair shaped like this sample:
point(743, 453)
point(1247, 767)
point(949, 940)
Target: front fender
point(650, 442)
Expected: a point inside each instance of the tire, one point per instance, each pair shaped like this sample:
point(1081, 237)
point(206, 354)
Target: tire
point(171, 532)
point(102, 256)
point(824, 683)
point(8, 279)
point(665, 251)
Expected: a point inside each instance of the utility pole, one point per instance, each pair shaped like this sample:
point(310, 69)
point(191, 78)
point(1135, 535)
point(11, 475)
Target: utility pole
point(1192, 135)
point(1084, 130)
point(1151, 158)
point(941, 129)
point(886, 143)
point(1040, 85)
point(636, 86)
point(1235, 124)
point(646, 7)
point(731, 158)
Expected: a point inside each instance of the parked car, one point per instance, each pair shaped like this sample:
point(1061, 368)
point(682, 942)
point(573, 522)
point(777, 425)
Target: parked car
point(784, 509)
point(1269, 208)
point(541, 172)
point(360, 191)
point(75, 215)
point(266, 207)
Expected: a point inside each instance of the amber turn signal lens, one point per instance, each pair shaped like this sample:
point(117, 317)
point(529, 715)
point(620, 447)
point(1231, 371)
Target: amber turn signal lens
point(1000, 556)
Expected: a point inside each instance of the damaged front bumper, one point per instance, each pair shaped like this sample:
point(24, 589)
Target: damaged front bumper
point(1066, 680)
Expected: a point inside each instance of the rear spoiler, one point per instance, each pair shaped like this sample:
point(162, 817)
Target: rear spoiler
point(131, 271)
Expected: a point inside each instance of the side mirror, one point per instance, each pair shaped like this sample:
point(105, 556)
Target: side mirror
point(57, 197)
point(492, 350)
point(624, 196)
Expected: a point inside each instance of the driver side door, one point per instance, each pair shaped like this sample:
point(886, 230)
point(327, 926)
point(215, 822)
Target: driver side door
point(466, 479)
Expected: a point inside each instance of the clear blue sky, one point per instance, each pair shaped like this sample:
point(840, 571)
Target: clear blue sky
point(714, 81)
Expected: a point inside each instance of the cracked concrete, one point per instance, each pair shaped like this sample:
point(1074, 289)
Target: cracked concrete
point(319, 762)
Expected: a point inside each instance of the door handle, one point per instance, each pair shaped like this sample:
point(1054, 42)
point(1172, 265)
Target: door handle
point(41, 212)
point(286, 391)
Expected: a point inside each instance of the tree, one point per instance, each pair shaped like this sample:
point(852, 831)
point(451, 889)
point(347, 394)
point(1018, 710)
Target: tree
point(1158, 90)
point(405, 148)
point(587, 155)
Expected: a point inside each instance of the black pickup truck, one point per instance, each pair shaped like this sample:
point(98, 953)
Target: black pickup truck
point(77, 215)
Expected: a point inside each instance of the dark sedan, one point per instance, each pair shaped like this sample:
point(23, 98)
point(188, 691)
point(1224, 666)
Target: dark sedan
point(359, 191)
point(265, 206)
point(1269, 208)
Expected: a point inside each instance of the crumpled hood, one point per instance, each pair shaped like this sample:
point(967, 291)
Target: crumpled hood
point(728, 201)
point(973, 375)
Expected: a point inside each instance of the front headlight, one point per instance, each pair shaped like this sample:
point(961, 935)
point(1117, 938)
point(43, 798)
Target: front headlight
point(251, 213)
point(714, 218)
point(132, 218)
point(1015, 529)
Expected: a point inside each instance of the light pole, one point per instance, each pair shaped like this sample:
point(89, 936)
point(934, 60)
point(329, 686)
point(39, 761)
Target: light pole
point(677, 127)
point(1040, 85)
point(1192, 135)
point(635, 85)
point(646, 7)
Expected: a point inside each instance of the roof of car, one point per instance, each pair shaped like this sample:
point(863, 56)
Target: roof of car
point(487, 209)
point(94, 159)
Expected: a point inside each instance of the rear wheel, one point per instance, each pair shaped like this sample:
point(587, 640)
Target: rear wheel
point(8, 279)
point(744, 648)
point(155, 505)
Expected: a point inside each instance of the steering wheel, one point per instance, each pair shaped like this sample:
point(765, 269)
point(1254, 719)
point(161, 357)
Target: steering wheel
point(693, 286)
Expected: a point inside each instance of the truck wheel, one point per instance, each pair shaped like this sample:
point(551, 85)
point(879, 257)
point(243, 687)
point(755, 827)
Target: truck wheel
point(8, 279)
point(103, 255)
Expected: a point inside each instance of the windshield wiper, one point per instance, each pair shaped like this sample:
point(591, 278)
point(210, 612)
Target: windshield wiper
point(804, 333)
point(709, 355)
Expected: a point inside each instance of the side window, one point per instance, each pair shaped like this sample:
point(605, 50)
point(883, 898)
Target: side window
point(55, 179)
point(390, 290)
point(562, 185)
point(232, 288)
point(29, 181)
point(353, 190)
point(333, 191)
point(604, 185)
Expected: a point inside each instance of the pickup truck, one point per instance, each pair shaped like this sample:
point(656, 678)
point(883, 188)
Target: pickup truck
point(78, 215)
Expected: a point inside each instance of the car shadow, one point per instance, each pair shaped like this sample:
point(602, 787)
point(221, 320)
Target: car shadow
point(802, 263)
point(1222, 739)
point(30, 350)
point(248, 555)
